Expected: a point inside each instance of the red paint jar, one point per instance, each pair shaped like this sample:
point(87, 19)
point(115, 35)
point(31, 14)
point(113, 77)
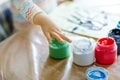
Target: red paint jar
point(106, 51)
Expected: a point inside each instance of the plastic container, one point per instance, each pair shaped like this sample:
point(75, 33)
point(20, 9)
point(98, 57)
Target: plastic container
point(83, 51)
point(115, 33)
point(59, 50)
point(106, 51)
point(96, 73)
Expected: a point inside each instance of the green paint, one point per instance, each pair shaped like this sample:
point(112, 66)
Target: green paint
point(59, 50)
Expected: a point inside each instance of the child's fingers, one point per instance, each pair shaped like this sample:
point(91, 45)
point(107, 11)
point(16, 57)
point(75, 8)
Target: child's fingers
point(56, 36)
point(64, 37)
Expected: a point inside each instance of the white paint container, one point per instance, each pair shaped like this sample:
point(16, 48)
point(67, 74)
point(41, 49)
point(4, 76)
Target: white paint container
point(83, 51)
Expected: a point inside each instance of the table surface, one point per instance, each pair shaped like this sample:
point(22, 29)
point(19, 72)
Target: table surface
point(25, 56)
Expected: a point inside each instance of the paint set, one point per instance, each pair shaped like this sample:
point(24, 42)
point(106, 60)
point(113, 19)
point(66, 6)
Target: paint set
point(86, 51)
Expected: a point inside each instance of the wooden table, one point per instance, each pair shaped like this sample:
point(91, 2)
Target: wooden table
point(25, 56)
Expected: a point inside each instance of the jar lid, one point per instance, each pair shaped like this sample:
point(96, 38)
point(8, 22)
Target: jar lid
point(96, 73)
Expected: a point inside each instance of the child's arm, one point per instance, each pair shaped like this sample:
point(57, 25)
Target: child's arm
point(35, 15)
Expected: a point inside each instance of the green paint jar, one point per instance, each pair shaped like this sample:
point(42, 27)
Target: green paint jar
point(59, 50)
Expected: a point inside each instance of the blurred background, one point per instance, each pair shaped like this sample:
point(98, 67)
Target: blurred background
point(6, 19)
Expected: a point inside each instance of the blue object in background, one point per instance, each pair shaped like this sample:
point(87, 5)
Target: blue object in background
point(6, 23)
point(118, 25)
point(8, 17)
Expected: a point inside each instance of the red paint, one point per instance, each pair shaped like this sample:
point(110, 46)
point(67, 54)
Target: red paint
point(106, 51)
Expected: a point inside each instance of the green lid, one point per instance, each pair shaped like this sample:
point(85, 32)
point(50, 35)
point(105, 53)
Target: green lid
point(59, 50)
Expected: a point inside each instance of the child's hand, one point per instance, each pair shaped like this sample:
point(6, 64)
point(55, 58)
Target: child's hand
point(50, 29)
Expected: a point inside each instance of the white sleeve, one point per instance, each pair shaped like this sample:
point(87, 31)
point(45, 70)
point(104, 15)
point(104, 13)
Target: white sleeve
point(27, 8)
